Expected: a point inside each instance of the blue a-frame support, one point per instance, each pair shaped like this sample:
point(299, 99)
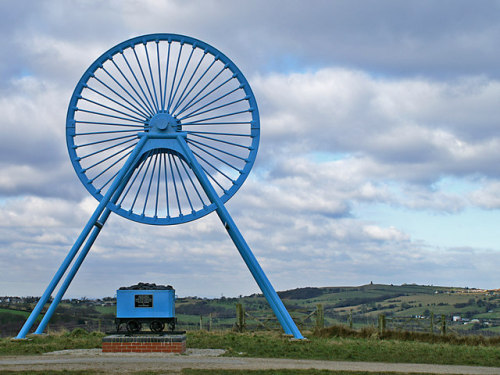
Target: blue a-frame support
point(163, 137)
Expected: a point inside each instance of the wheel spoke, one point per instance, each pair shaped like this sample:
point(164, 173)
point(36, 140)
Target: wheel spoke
point(144, 103)
point(181, 97)
point(124, 89)
point(207, 95)
point(213, 166)
point(152, 79)
point(166, 183)
point(108, 115)
point(164, 99)
point(159, 73)
point(218, 107)
point(217, 133)
point(107, 158)
point(192, 183)
point(144, 97)
point(112, 177)
point(194, 86)
point(222, 141)
point(108, 124)
point(114, 92)
point(106, 149)
point(194, 142)
point(196, 111)
point(131, 183)
point(107, 132)
point(175, 76)
point(175, 184)
point(135, 110)
point(213, 178)
point(104, 141)
point(216, 157)
point(158, 185)
point(183, 185)
point(221, 116)
point(142, 181)
point(115, 110)
point(182, 75)
point(217, 123)
point(150, 182)
point(145, 81)
point(190, 103)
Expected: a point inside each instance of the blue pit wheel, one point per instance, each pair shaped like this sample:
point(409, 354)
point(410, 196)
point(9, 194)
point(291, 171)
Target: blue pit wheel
point(171, 83)
point(161, 129)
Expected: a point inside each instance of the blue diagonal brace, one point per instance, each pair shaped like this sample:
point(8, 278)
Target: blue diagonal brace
point(78, 244)
point(253, 265)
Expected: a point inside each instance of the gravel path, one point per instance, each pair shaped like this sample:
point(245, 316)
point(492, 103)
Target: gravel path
point(123, 363)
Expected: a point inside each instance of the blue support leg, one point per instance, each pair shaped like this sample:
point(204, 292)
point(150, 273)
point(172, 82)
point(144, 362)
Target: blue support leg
point(74, 269)
point(253, 265)
point(59, 274)
point(76, 247)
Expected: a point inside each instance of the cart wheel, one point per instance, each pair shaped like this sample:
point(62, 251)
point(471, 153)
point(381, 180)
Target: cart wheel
point(156, 326)
point(133, 326)
point(171, 326)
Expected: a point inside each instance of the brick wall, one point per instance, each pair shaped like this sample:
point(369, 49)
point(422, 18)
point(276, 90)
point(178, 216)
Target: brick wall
point(144, 344)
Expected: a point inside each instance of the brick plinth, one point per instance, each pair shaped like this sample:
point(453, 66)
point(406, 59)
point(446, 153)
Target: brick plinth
point(167, 343)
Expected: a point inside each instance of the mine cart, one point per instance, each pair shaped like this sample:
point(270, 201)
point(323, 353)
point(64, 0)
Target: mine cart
point(149, 304)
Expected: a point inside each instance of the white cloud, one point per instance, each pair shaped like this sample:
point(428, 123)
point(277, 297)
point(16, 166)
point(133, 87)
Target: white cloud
point(384, 234)
point(488, 196)
point(397, 123)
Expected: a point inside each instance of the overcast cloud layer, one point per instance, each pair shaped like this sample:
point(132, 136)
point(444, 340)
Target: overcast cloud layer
point(378, 158)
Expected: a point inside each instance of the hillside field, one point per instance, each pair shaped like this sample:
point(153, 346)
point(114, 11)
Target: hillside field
point(412, 307)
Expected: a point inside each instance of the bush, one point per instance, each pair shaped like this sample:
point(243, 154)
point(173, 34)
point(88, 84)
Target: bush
point(372, 332)
point(78, 332)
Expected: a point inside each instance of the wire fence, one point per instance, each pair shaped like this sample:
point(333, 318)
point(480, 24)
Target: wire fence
point(308, 320)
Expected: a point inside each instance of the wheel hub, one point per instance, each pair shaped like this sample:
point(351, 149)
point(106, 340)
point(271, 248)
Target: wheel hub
point(164, 123)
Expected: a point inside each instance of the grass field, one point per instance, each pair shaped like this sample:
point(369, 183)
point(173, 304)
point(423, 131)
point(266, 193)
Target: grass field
point(273, 345)
point(38, 344)
point(266, 345)
point(24, 314)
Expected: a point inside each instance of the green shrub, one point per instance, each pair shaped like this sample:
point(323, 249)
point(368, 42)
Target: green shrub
point(78, 332)
point(372, 332)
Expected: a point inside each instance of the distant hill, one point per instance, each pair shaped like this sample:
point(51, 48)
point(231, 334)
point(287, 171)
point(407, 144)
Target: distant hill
point(468, 309)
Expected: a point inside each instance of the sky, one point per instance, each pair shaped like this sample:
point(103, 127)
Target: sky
point(378, 158)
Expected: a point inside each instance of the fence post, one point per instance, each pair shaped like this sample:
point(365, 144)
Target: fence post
point(350, 319)
point(209, 322)
point(443, 324)
point(320, 316)
point(432, 324)
point(240, 317)
point(201, 322)
point(381, 324)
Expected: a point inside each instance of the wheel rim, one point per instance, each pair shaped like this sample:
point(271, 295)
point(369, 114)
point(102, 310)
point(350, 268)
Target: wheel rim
point(156, 326)
point(133, 326)
point(177, 82)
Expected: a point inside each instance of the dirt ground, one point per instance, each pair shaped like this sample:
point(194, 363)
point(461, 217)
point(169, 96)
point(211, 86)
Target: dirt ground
point(94, 359)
